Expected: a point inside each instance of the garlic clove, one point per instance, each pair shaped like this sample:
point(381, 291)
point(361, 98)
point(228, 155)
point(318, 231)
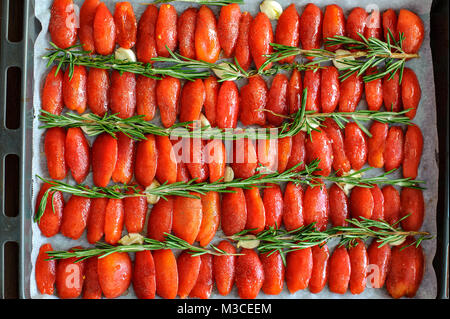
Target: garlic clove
point(271, 8)
point(132, 238)
point(336, 61)
point(229, 174)
point(223, 69)
point(250, 242)
point(152, 199)
point(348, 187)
point(125, 55)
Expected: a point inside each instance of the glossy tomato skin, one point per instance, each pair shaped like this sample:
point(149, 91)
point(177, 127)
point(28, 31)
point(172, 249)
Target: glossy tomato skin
point(245, 159)
point(52, 92)
point(126, 152)
point(104, 159)
point(242, 50)
point(329, 89)
point(91, 287)
point(273, 273)
point(319, 272)
point(341, 163)
point(145, 37)
point(373, 91)
point(359, 262)
point(212, 87)
point(333, 24)
point(339, 206)
point(104, 31)
point(256, 216)
point(114, 220)
point(413, 29)
point(376, 144)
point(284, 152)
point(69, 277)
point(166, 273)
point(168, 91)
point(62, 25)
point(356, 23)
point(74, 89)
point(146, 97)
point(114, 274)
point(192, 100)
point(45, 271)
point(75, 216)
point(299, 264)
point(277, 100)
point(187, 218)
point(260, 37)
point(224, 269)
point(339, 272)
point(50, 221)
point(389, 22)
point(350, 93)
point(392, 204)
point(361, 202)
point(135, 210)
point(311, 21)
point(166, 168)
point(298, 152)
point(186, 32)
point(318, 146)
point(126, 25)
point(144, 278)
point(249, 274)
point(207, 46)
point(412, 203)
point(253, 99)
point(188, 269)
point(413, 148)
point(210, 218)
point(166, 30)
point(96, 220)
point(312, 82)
point(228, 27)
point(378, 203)
point(316, 206)
point(98, 86)
point(381, 258)
point(392, 93)
point(146, 161)
point(355, 144)
point(216, 158)
point(160, 219)
point(411, 92)
point(287, 31)
point(373, 25)
point(227, 111)
point(394, 149)
point(55, 150)
point(293, 207)
point(204, 284)
point(273, 205)
point(123, 94)
point(195, 159)
point(294, 92)
point(233, 212)
point(406, 270)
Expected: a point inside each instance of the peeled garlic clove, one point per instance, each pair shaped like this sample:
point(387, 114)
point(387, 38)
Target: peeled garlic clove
point(152, 199)
point(250, 242)
point(348, 187)
point(336, 61)
point(271, 8)
point(398, 242)
point(130, 239)
point(86, 129)
point(229, 174)
point(222, 69)
point(204, 121)
point(125, 55)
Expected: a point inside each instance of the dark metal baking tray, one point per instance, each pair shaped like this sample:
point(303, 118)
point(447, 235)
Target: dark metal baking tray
point(17, 141)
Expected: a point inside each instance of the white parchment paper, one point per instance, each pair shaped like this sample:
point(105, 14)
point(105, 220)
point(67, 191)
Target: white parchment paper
point(425, 118)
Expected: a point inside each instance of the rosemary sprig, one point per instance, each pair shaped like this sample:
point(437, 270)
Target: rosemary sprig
point(103, 249)
point(267, 241)
point(74, 55)
point(283, 241)
point(203, 2)
point(190, 189)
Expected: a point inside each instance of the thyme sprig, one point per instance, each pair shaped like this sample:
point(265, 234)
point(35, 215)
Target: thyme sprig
point(192, 189)
point(268, 241)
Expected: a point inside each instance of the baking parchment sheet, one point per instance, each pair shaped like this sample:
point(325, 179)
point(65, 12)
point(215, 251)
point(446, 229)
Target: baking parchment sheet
point(425, 118)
